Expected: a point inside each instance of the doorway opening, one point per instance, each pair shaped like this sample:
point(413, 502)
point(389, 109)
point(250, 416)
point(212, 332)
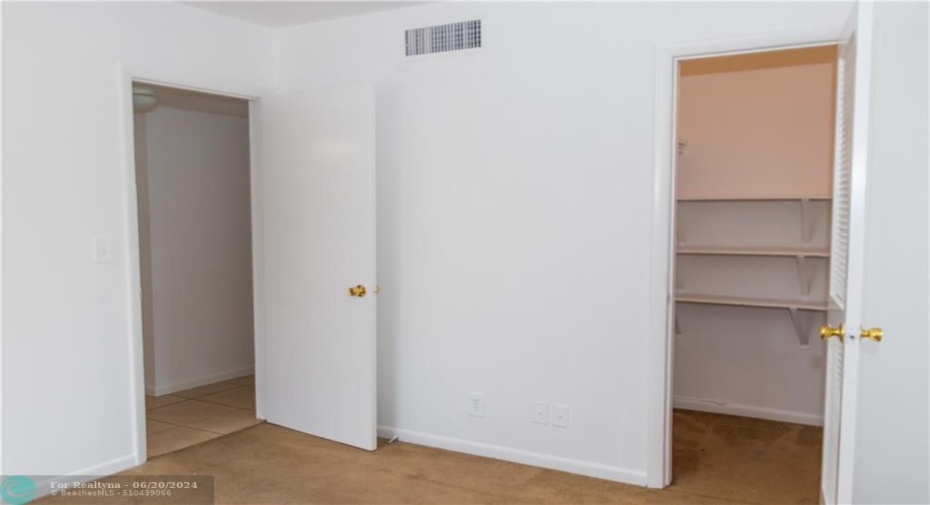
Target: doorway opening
point(752, 209)
point(195, 249)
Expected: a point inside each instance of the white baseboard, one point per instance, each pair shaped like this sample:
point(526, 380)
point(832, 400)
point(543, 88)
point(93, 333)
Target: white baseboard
point(588, 469)
point(733, 409)
point(107, 468)
point(174, 387)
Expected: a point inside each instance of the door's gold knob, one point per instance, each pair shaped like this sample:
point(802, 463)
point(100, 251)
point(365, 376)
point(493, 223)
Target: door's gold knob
point(874, 334)
point(358, 291)
point(827, 331)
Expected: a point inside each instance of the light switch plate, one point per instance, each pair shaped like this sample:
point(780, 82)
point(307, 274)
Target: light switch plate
point(560, 415)
point(541, 412)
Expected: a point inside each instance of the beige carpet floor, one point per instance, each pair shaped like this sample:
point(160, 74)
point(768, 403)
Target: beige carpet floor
point(717, 459)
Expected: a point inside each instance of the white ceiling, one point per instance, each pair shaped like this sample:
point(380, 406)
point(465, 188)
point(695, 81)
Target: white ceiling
point(281, 14)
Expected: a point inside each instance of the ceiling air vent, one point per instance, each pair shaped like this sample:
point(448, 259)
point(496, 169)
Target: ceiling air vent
point(444, 38)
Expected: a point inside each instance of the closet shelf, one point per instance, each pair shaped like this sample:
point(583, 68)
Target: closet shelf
point(742, 301)
point(724, 198)
point(814, 252)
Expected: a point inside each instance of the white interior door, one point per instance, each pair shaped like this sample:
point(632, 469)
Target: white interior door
point(317, 194)
point(847, 249)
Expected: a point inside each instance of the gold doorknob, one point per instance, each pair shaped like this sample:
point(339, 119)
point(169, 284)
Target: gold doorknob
point(827, 331)
point(874, 334)
point(358, 291)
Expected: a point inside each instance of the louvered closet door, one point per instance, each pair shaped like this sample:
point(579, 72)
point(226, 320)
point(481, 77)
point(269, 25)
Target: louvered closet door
point(847, 248)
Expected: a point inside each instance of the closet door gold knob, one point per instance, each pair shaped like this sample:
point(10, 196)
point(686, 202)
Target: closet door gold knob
point(874, 334)
point(827, 331)
point(358, 291)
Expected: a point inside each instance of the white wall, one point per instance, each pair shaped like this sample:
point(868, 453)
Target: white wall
point(761, 133)
point(141, 152)
point(201, 242)
point(66, 369)
point(748, 361)
point(892, 451)
point(514, 195)
point(765, 133)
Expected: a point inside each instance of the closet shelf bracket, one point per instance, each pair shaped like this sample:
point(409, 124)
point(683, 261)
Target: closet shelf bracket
point(804, 275)
point(800, 328)
point(807, 231)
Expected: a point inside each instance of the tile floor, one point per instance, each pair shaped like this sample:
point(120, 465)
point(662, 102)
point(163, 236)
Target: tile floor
point(190, 417)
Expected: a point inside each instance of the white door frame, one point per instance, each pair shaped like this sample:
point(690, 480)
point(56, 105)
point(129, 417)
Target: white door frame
point(126, 75)
point(661, 334)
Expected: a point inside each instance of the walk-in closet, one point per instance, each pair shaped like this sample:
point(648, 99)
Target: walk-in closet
point(753, 184)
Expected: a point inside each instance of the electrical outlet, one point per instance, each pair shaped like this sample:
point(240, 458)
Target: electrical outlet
point(476, 404)
point(541, 412)
point(560, 415)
